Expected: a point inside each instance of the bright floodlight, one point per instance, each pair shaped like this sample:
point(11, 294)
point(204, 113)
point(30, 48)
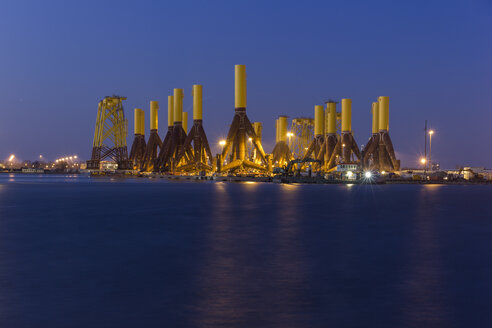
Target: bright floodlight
point(250, 139)
point(431, 132)
point(222, 143)
point(290, 134)
point(423, 160)
point(349, 174)
point(11, 158)
point(368, 175)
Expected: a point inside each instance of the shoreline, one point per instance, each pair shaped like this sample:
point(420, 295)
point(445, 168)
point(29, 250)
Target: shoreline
point(265, 179)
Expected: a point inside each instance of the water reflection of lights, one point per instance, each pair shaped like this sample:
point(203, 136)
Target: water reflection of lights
point(350, 185)
point(289, 186)
point(220, 186)
point(433, 187)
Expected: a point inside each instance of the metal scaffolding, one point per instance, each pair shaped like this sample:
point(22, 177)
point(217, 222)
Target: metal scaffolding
point(302, 130)
point(110, 134)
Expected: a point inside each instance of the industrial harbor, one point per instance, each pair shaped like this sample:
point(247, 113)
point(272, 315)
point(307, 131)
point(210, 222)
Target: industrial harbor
point(322, 149)
point(313, 150)
point(205, 164)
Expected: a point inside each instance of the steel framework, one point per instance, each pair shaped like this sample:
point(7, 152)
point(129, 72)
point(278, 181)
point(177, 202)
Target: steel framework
point(254, 156)
point(235, 149)
point(111, 126)
point(379, 153)
point(200, 159)
point(154, 144)
point(138, 150)
point(302, 129)
point(174, 142)
point(346, 146)
point(138, 147)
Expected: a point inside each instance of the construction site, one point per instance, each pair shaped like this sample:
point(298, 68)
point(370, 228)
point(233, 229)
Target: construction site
point(321, 147)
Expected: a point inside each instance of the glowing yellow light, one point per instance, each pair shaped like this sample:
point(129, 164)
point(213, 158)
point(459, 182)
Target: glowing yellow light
point(431, 132)
point(250, 139)
point(11, 158)
point(423, 160)
point(75, 156)
point(290, 134)
point(343, 145)
point(349, 174)
point(222, 143)
point(383, 172)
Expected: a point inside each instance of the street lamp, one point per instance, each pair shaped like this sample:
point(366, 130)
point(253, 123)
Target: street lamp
point(423, 161)
point(431, 132)
point(222, 143)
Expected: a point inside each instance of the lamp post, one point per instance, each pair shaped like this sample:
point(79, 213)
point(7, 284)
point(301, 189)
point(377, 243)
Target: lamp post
point(423, 161)
point(431, 132)
point(222, 143)
point(425, 146)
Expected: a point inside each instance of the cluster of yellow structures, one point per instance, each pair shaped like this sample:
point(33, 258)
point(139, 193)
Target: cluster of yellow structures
point(333, 142)
point(327, 140)
point(180, 150)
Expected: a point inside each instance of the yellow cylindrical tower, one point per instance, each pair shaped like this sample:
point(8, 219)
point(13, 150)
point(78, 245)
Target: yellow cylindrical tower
point(276, 130)
point(346, 115)
point(383, 104)
point(139, 117)
point(319, 120)
point(282, 128)
point(185, 121)
point(178, 105)
point(240, 86)
point(170, 110)
point(142, 121)
point(375, 117)
point(197, 102)
point(331, 118)
point(154, 120)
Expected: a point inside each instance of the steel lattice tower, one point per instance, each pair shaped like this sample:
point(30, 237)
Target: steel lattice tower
point(111, 127)
point(302, 129)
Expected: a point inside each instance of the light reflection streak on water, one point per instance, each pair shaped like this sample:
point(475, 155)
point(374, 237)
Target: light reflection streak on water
point(289, 259)
point(219, 279)
point(232, 285)
point(423, 303)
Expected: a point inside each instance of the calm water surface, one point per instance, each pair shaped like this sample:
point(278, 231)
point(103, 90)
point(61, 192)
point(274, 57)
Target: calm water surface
point(81, 252)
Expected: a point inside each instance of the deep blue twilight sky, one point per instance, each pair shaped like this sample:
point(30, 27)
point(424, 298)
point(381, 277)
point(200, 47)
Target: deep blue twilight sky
point(432, 58)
